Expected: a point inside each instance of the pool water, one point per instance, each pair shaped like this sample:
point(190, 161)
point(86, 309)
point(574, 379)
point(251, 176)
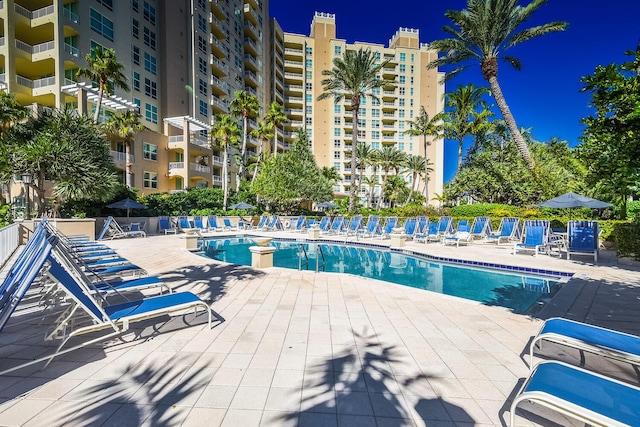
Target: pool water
point(492, 287)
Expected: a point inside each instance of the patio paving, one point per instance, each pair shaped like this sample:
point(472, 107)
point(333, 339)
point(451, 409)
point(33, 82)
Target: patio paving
point(297, 348)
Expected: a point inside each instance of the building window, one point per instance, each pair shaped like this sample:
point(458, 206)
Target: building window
point(149, 151)
point(150, 180)
point(403, 68)
point(375, 91)
point(336, 131)
point(337, 155)
point(411, 78)
point(135, 5)
point(402, 79)
point(204, 108)
point(401, 91)
point(403, 57)
point(401, 113)
point(308, 75)
point(107, 3)
point(401, 146)
point(401, 136)
point(308, 109)
point(308, 50)
point(202, 65)
point(308, 121)
point(135, 28)
point(336, 166)
point(402, 102)
point(101, 25)
point(412, 69)
point(375, 134)
point(362, 111)
point(309, 63)
point(150, 63)
point(375, 124)
point(150, 88)
point(137, 102)
point(337, 109)
point(337, 143)
point(202, 44)
point(362, 134)
point(151, 113)
point(149, 13)
point(309, 98)
point(377, 55)
point(135, 78)
point(375, 145)
point(308, 86)
point(362, 122)
point(337, 121)
point(202, 87)
point(135, 54)
point(202, 23)
point(150, 38)
point(401, 124)
point(337, 50)
point(413, 57)
point(375, 112)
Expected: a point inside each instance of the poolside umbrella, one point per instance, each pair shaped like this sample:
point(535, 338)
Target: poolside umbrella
point(126, 204)
point(241, 205)
point(327, 205)
point(573, 200)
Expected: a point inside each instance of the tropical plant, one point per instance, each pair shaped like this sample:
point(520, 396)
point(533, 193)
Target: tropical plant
point(331, 174)
point(11, 113)
point(245, 106)
point(125, 126)
point(416, 166)
point(365, 156)
point(68, 150)
point(462, 119)
point(353, 76)
point(610, 147)
point(103, 68)
point(425, 126)
point(389, 157)
point(264, 132)
point(276, 117)
point(484, 31)
point(225, 135)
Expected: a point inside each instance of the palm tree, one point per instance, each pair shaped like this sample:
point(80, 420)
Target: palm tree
point(11, 112)
point(353, 77)
point(416, 166)
point(425, 126)
point(276, 117)
point(463, 119)
point(375, 163)
point(125, 126)
point(245, 106)
point(389, 158)
point(103, 68)
point(371, 182)
point(364, 155)
point(264, 132)
point(485, 29)
point(225, 134)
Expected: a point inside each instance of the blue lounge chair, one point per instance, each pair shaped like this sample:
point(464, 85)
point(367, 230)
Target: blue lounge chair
point(481, 227)
point(274, 224)
point(463, 225)
point(299, 224)
point(410, 227)
point(390, 223)
point(582, 238)
point(164, 224)
point(325, 223)
point(212, 224)
point(535, 239)
point(433, 234)
point(372, 228)
point(226, 225)
point(509, 231)
point(199, 223)
point(184, 224)
point(112, 230)
point(423, 225)
point(586, 396)
point(336, 225)
point(353, 227)
point(458, 238)
point(593, 339)
point(261, 223)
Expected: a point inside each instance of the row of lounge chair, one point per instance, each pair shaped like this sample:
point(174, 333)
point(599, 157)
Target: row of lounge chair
point(79, 279)
point(203, 223)
point(587, 396)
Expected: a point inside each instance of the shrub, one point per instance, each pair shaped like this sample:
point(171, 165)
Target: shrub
point(483, 209)
point(633, 210)
point(627, 238)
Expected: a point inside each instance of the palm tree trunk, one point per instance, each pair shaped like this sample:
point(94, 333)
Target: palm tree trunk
point(413, 185)
point(460, 144)
point(225, 190)
point(426, 170)
point(127, 154)
point(243, 153)
point(353, 203)
point(510, 121)
point(384, 184)
point(96, 115)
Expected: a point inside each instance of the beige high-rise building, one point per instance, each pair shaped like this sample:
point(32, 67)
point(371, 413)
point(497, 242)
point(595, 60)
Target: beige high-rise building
point(382, 122)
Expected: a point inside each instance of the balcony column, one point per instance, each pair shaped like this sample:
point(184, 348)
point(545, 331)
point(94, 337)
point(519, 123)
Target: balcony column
point(82, 101)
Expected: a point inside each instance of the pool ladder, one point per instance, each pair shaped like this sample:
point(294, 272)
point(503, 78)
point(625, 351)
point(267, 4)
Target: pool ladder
point(302, 252)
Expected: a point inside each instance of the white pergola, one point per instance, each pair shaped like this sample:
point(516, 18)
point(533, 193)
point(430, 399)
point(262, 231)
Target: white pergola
point(113, 103)
point(195, 125)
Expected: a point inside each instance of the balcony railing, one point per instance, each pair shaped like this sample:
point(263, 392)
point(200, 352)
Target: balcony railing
point(216, 179)
point(70, 15)
point(293, 51)
point(252, 43)
point(71, 50)
point(42, 47)
point(35, 84)
point(121, 157)
point(36, 13)
point(293, 63)
point(217, 161)
point(200, 168)
point(293, 76)
point(176, 165)
point(252, 75)
point(2, 39)
point(200, 141)
point(220, 103)
point(215, 61)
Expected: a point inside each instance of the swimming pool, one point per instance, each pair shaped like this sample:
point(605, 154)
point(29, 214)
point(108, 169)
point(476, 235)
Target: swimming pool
point(512, 290)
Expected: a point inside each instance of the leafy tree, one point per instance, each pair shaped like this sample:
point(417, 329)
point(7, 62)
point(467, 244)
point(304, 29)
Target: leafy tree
point(365, 156)
point(484, 31)
point(611, 139)
point(416, 166)
point(125, 126)
point(291, 178)
point(389, 158)
point(354, 77)
point(276, 117)
point(11, 113)
point(426, 126)
point(245, 106)
point(68, 150)
point(331, 174)
point(396, 190)
point(225, 135)
point(103, 68)
point(463, 119)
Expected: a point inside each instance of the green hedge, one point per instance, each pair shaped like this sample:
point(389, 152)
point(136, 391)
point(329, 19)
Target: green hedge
point(627, 238)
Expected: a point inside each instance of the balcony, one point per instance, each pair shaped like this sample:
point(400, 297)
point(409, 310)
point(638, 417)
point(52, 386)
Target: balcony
point(217, 161)
point(216, 180)
point(218, 85)
point(293, 111)
point(255, 63)
point(121, 159)
point(216, 27)
point(33, 50)
point(250, 13)
point(176, 168)
point(252, 30)
point(251, 46)
point(251, 76)
point(217, 8)
point(200, 168)
point(217, 46)
point(219, 103)
point(35, 84)
point(71, 50)
point(2, 41)
point(176, 140)
point(293, 100)
point(39, 13)
point(218, 65)
point(292, 51)
point(293, 76)
point(70, 15)
point(293, 64)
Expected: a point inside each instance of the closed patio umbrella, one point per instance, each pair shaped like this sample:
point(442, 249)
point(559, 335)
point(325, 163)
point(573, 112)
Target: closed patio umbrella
point(126, 204)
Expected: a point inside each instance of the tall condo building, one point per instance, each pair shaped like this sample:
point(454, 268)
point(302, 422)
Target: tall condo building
point(185, 59)
point(381, 122)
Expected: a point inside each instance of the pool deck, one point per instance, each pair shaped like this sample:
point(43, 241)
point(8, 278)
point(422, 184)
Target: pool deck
point(297, 348)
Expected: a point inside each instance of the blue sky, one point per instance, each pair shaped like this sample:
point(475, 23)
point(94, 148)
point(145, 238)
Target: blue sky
point(545, 95)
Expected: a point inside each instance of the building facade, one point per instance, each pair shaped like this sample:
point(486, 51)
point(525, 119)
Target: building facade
point(185, 59)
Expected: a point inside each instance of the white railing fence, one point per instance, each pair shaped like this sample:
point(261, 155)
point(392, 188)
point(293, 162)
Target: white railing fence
point(9, 240)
